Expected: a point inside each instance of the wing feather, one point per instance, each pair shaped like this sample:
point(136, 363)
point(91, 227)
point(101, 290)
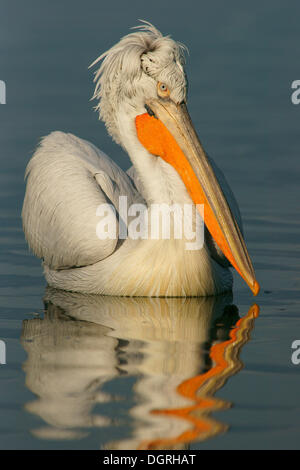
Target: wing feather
point(67, 179)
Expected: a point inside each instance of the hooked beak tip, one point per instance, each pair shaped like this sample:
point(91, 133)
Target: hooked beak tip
point(256, 288)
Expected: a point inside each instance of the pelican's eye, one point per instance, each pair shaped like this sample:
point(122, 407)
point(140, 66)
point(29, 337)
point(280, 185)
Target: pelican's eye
point(162, 90)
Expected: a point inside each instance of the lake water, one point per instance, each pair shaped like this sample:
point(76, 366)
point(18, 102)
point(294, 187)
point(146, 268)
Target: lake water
point(89, 372)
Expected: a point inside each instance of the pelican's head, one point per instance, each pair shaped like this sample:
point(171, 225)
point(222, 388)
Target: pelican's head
point(141, 86)
point(134, 71)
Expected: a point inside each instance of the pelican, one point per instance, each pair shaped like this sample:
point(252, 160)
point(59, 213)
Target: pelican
point(141, 88)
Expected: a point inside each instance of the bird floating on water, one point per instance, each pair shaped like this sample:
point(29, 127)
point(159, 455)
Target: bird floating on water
point(141, 88)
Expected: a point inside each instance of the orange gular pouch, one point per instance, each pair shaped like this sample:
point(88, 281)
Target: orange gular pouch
point(158, 140)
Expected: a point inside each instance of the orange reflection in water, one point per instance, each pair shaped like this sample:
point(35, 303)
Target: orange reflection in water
point(201, 388)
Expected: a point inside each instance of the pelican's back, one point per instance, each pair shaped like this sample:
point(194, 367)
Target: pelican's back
point(67, 179)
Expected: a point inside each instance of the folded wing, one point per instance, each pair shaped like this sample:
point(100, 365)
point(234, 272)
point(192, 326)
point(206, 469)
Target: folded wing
point(67, 179)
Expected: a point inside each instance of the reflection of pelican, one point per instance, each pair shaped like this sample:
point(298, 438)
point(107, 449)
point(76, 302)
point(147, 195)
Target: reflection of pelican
point(180, 352)
point(141, 87)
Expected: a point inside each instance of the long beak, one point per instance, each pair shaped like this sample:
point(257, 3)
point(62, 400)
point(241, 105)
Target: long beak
point(167, 131)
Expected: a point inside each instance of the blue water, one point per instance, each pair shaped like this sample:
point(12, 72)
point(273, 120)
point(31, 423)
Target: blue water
point(86, 372)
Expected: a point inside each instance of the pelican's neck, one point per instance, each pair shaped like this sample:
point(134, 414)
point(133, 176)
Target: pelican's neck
point(159, 181)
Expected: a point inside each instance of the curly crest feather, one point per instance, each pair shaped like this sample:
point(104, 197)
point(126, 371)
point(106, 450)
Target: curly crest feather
point(145, 51)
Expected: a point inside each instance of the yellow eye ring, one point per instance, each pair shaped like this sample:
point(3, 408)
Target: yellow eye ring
point(162, 90)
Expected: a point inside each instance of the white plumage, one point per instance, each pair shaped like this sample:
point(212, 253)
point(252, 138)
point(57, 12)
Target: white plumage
point(68, 178)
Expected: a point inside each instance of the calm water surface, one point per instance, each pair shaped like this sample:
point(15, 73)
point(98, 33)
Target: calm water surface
point(92, 372)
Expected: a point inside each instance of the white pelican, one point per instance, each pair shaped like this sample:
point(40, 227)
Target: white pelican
point(141, 86)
